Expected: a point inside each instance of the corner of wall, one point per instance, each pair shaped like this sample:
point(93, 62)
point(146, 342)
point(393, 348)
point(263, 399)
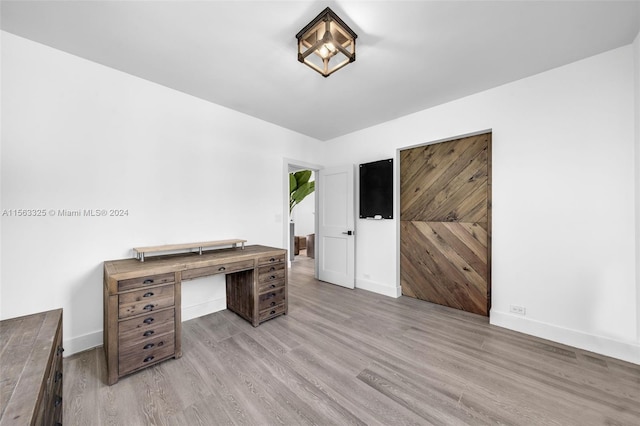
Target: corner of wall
point(375, 287)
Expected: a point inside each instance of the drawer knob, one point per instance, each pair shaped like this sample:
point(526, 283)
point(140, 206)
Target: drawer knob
point(222, 268)
point(272, 277)
point(60, 350)
point(272, 312)
point(273, 259)
point(149, 358)
point(147, 282)
point(148, 333)
point(273, 303)
point(271, 295)
point(273, 268)
point(148, 346)
point(58, 377)
point(148, 320)
point(273, 286)
point(57, 401)
point(149, 294)
point(148, 307)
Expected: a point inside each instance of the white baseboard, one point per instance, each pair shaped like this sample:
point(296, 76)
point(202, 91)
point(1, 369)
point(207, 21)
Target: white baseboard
point(626, 351)
point(204, 308)
point(82, 343)
point(375, 287)
point(92, 340)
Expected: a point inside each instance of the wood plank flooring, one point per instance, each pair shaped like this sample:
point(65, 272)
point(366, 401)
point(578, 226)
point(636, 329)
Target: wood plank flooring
point(351, 357)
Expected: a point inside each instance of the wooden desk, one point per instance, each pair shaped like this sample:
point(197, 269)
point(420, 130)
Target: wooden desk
point(142, 300)
point(31, 369)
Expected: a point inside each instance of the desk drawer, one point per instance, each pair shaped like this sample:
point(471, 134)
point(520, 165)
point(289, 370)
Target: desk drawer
point(270, 285)
point(145, 323)
point(271, 312)
point(141, 282)
point(224, 268)
point(271, 272)
point(271, 298)
point(134, 336)
point(140, 341)
point(146, 353)
point(270, 260)
point(53, 393)
point(143, 301)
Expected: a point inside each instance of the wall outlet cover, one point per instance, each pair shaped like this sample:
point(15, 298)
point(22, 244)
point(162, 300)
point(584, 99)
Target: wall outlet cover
point(519, 310)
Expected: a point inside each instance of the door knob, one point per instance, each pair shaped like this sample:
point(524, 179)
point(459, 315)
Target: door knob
point(348, 233)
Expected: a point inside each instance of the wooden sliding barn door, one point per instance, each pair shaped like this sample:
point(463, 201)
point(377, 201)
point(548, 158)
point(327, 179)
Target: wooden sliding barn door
point(445, 223)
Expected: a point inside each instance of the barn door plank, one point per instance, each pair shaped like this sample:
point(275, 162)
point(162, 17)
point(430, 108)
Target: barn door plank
point(444, 223)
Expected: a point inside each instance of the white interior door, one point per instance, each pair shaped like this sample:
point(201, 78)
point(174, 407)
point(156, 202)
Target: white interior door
point(336, 242)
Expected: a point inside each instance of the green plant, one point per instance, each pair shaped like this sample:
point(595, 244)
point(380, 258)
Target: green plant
point(299, 187)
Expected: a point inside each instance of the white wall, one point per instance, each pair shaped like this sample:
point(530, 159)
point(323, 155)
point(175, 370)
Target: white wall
point(563, 191)
point(77, 135)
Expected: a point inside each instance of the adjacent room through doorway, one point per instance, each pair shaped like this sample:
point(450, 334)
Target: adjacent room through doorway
point(302, 215)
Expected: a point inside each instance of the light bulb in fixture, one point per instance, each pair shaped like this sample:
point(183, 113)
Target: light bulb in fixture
point(326, 50)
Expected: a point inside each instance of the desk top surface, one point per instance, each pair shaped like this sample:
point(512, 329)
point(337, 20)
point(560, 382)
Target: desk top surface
point(25, 346)
point(128, 268)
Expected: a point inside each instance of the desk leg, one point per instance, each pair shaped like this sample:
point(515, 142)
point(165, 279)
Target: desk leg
point(111, 338)
point(286, 289)
point(240, 294)
point(253, 285)
point(177, 297)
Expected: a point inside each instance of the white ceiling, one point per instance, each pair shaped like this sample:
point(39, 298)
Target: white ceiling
point(411, 55)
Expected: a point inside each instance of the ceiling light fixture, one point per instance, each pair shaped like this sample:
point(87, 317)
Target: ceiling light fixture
point(326, 38)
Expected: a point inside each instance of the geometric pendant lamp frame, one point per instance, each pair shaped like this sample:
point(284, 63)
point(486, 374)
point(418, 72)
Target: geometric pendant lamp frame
point(326, 44)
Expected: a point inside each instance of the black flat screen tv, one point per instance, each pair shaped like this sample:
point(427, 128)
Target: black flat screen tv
point(376, 190)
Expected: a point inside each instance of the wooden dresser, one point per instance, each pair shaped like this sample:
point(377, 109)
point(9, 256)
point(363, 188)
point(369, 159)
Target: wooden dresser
point(31, 369)
point(142, 309)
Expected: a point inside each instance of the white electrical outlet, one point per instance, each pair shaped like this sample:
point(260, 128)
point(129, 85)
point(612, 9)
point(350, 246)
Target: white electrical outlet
point(515, 309)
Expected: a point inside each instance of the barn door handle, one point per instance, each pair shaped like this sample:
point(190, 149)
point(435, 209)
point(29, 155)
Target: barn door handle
point(348, 233)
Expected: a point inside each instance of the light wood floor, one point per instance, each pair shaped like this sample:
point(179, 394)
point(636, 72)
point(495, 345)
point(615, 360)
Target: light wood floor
point(354, 357)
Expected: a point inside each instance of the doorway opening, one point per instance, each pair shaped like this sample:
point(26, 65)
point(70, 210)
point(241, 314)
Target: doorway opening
point(302, 222)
